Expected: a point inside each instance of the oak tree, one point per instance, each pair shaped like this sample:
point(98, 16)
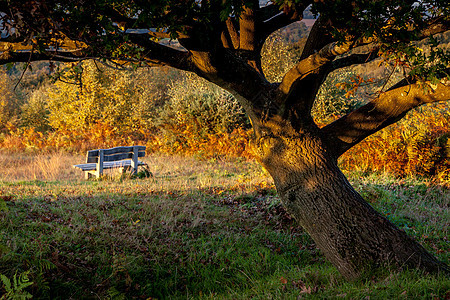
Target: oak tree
point(221, 41)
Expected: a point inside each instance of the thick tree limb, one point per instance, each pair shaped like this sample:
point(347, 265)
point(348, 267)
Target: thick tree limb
point(301, 83)
point(155, 54)
point(353, 59)
point(247, 29)
point(28, 56)
point(361, 58)
point(386, 109)
point(438, 25)
point(161, 55)
point(312, 63)
point(267, 12)
point(318, 38)
point(276, 22)
point(124, 21)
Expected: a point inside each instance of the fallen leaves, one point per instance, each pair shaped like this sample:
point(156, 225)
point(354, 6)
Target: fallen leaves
point(300, 285)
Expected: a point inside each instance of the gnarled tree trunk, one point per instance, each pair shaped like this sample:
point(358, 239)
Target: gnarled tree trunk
point(351, 234)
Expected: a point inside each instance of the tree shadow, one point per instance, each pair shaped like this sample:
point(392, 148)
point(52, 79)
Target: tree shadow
point(153, 244)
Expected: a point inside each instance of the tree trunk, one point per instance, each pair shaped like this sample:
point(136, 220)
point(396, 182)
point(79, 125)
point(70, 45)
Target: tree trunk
point(350, 233)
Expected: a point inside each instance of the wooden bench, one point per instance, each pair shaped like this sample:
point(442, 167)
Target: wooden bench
point(121, 158)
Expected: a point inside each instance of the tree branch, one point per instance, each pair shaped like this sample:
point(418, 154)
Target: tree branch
point(68, 50)
point(233, 33)
point(386, 109)
point(158, 54)
point(272, 19)
point(267, 12)
point(438, 25)
point(157, 34)
point(318, 38)
point(312, 63)
point(28, 56)
point(372, 54)
point(247, 29)
point(353, 59)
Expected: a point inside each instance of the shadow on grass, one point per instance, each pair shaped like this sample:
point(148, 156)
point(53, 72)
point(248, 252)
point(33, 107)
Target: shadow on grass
point(104, 241)
point(150, 244)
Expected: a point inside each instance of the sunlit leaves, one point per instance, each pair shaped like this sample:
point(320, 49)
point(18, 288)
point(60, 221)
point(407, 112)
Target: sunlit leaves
point(430, 65)
point(351, 87)
point(394, 24)
point(338, 95)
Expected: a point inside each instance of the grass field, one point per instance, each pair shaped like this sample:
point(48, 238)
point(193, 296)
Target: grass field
point(196, 229)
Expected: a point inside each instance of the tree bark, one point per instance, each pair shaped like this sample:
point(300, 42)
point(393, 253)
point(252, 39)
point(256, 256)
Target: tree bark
point(351, 234)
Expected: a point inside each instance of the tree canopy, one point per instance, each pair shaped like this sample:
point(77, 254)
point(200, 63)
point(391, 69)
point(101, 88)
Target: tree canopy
point(131, 30)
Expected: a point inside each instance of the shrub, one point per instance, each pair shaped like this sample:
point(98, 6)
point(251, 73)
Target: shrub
point(200, 117)
point(417, 145)
point(333, 101)
point(35, 112)
point(277, 58)
point(9, 102)
point(106, 108)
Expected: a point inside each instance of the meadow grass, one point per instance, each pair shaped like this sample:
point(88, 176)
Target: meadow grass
point(197, 229)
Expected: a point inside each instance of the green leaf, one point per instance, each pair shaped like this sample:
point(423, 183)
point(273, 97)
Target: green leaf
point(6, 282)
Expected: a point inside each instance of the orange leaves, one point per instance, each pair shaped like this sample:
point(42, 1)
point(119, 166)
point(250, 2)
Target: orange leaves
point(418, 146)
point(300, 285)
point(352, 87)
point(23, 138)
point(187, 141)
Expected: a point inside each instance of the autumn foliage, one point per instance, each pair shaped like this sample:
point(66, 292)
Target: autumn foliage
point(177, 113)
point(418, 145)
point(181, 115)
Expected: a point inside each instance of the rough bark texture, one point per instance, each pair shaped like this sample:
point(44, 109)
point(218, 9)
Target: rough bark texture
point(350, 233)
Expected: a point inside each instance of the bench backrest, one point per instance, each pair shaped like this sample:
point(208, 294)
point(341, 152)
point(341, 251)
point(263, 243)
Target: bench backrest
point(115, 154)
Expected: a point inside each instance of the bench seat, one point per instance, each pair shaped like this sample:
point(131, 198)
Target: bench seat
point(107, 165)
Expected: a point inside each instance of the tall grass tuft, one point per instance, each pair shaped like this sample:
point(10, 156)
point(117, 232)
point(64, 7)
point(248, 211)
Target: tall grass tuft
point(42, 166)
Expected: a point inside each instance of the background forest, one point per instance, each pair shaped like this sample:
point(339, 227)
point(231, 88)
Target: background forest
point(76, 107)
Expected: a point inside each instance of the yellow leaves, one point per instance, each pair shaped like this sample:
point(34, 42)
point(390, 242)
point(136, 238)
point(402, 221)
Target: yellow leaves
point(8, 102)
point(135, 222)
point(102, 105)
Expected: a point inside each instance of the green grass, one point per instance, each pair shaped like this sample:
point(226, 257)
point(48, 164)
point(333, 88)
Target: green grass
point(198, 230)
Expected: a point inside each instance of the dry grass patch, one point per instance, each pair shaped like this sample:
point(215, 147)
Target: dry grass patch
point(25, 166)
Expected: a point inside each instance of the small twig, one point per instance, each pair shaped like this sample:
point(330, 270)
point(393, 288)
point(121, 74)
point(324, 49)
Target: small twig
point(98, 69)
point(25, 69)
point(388, 78)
